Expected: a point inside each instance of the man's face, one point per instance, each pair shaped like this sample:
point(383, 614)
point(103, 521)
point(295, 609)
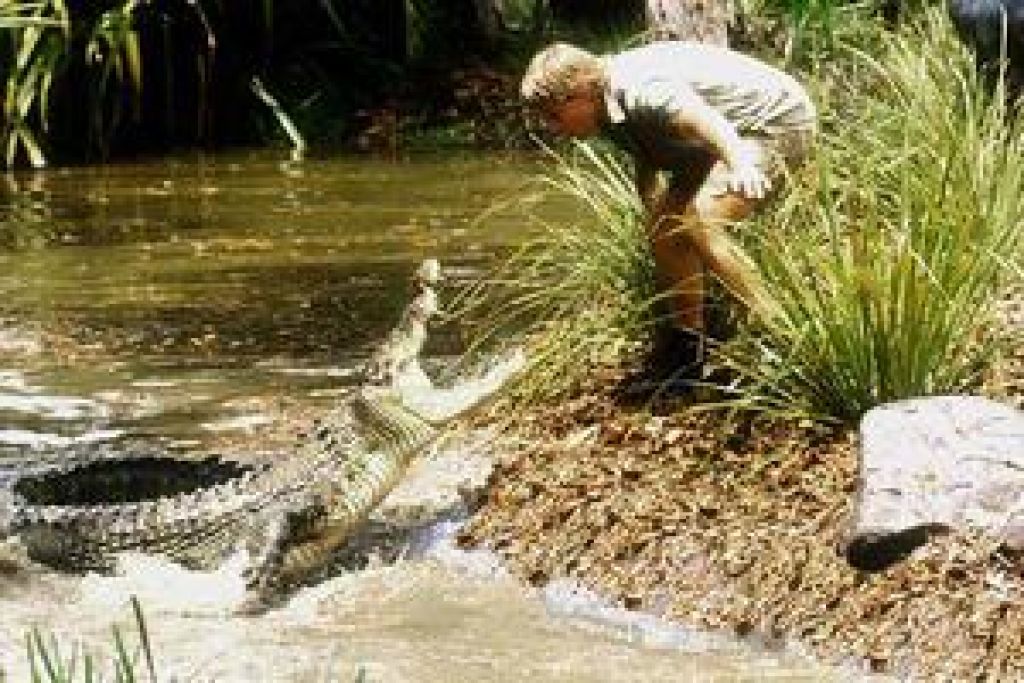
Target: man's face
point(579, 115)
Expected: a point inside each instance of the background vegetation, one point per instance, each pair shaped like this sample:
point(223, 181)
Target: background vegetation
point(88, 78)
point(83, 80)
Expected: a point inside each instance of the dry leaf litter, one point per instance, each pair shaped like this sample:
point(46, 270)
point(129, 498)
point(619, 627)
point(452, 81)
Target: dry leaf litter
point(729, 524)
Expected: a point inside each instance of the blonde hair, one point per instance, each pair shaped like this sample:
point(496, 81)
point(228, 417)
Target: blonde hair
point(558, 71)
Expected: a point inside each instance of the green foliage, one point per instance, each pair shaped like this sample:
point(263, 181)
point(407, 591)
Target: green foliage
point(49, 665)
point(113, 49)
point(888, 251)
point(92, 77)
point(812, 24)
point(41, 41)
point(812, 30)
point(582, 293)
point(15, 14)
point(33, 41)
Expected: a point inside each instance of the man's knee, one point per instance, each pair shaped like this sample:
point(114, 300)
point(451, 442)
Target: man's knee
point(714, 209)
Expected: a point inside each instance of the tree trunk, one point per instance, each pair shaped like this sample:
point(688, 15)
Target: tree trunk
point(701, 20)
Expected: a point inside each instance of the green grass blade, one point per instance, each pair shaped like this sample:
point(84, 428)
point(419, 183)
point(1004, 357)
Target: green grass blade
point(147, 651)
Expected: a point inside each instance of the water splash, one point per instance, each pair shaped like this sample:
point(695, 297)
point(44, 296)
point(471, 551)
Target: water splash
point(164, 586)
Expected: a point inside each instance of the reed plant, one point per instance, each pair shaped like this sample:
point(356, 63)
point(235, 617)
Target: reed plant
point(889, 251)
point(581, 292)
point(40, 42)
point(49, 664)
point(33, 45)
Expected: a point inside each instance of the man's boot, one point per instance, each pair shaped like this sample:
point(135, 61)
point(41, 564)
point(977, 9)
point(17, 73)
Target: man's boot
point(671, 366)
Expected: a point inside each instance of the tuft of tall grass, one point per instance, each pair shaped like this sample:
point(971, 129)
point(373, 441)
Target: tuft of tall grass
point(888, 252)
point(48, 664)
point(809, 32)
point(581, 293)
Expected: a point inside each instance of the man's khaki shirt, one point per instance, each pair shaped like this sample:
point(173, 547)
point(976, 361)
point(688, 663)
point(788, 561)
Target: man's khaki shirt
point(647, 85)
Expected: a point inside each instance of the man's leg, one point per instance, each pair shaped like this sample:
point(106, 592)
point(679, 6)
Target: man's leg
point(707, 229)
point(715, 208)
point(678, 344)
point(677, 260)
point(680, 270)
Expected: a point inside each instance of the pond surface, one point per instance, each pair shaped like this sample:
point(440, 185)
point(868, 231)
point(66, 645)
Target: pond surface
point(185, 301)
point(165, 294)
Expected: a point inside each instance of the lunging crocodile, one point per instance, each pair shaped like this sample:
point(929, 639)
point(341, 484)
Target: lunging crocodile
point(289, 515)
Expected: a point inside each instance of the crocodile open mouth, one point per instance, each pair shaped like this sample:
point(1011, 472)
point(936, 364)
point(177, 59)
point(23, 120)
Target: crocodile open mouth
point(125, 481)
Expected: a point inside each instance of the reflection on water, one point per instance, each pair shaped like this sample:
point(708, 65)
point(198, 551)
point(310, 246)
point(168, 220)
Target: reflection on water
point(176, 300)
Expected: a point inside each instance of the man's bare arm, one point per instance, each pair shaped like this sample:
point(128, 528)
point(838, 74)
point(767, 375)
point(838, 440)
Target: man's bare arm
point(696, 120)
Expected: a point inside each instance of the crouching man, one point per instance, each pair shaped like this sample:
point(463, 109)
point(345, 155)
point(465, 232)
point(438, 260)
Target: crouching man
point(724, 127)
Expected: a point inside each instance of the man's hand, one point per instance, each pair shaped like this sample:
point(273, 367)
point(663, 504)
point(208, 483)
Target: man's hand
point(750, 181)
point(747, 178)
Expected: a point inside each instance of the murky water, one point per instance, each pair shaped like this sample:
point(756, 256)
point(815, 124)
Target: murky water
point(181, 288)
point(184, 300)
